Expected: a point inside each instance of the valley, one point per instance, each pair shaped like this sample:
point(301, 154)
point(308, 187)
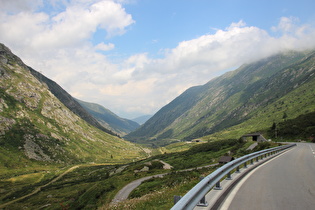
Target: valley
point(58, 152)
point(89, 186)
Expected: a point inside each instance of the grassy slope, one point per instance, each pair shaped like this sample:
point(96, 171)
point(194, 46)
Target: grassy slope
point(108, 119)
point(28, 109)
point(255, 91)
point(298, 102)
point(223, 102)
point(89, 187)
point(80, 143)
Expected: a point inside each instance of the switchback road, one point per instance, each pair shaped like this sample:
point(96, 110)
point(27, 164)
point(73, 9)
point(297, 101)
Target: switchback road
point(286, 182)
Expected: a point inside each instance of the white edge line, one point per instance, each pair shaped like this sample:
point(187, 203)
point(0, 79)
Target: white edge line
point(231, 195)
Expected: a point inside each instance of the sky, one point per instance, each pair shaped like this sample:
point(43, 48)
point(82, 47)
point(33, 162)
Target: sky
point(135, 56)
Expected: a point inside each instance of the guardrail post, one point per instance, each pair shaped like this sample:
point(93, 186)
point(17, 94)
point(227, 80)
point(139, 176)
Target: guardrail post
point(203, 201)
point(229, 177)
point(251, 162)
point(257, 159)
point(245, 165)
point(218, 186)
point(237, 169)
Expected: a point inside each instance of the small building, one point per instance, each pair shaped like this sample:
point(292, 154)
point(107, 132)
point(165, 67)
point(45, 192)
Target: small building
point(255, 136)
point(225, 159)
point(196, 140)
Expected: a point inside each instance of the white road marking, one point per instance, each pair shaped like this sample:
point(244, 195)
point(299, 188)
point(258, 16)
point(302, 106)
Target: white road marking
point(312, 150)
point(232, 194)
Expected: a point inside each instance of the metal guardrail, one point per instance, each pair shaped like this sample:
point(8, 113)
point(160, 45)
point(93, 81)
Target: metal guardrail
point(197, 193)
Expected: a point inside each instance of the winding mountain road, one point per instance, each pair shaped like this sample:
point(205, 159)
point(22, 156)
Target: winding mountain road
point(123, 194)
point(286, 182)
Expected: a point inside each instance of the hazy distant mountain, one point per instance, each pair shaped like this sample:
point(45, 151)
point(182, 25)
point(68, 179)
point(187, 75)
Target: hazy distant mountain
point(237, 97)
point(108, 119)
point(37, 128)
point(142, 119)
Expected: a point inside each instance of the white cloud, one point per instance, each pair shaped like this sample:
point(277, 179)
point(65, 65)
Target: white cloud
point(59, 46)
point(293, 35)
point(286, 25)
point(78, 23)
point(198, 60)
point(104, 47)
point(68, 28)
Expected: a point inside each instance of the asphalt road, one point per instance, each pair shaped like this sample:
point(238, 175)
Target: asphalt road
point(125, 191)
point(286, 182)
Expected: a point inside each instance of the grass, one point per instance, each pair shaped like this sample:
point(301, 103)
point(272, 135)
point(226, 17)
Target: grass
point(159, 193)
point(59, 133)
point(300, 101)
point(94, 186)
point(27, 178)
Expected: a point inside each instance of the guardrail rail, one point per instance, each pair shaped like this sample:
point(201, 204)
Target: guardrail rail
point(197, 193)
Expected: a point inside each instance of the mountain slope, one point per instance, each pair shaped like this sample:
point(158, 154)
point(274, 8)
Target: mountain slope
point(36, 127)
point(108, 119)
point(68, 101)
point(228, 100)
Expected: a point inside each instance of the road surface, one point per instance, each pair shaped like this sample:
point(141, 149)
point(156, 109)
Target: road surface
point(123, 194)
point(286, 182)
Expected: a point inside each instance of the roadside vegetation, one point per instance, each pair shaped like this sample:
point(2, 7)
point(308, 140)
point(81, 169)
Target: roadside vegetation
point(94, 186)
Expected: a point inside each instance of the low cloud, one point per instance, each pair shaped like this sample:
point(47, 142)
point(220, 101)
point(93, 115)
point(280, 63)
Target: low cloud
point(59, 46)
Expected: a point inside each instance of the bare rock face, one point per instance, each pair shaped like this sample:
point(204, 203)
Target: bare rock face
point(3, 105)
point(5, 124)
point(33, 150)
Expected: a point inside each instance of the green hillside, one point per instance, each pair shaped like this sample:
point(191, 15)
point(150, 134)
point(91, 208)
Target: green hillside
point(290, 117)
point(68, 100)
point(239, 98)
point(37, 129)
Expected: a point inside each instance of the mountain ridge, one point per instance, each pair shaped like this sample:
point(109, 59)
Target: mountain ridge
point(224, 101)
point(69, 101)
point(108, 119)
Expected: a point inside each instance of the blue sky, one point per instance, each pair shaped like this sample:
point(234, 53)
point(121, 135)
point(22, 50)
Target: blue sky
point(135, 56)
point(163, 24)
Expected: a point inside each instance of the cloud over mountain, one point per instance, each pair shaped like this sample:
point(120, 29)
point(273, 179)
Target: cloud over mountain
point(59, 43)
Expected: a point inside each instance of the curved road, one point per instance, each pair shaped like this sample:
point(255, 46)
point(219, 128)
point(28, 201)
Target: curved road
point(286, 182)
point(123, 194)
